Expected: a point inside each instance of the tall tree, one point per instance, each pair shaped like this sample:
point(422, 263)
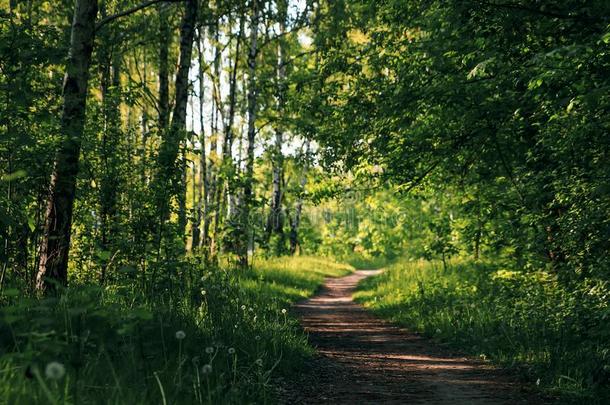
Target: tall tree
point(110, 66)
point(295, 220)
point(164, 44)
point(226, 186)
point(169, 176)
point(248, 197)
point(55, 243)
point(199, 236)
point(275, 221)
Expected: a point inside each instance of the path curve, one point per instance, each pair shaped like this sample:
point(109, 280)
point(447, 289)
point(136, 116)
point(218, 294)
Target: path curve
point(365, 360)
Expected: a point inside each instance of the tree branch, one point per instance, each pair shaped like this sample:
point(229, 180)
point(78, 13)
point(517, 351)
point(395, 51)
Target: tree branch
point(551, 14)
point(129, 11)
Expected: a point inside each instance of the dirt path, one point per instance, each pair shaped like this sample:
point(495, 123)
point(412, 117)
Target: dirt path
point(365, 360)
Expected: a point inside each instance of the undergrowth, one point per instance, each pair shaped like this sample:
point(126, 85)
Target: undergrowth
point(557, 336)
point(207, 336)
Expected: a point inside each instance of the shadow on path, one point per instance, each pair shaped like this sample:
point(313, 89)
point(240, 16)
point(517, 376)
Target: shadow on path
point(365, 360)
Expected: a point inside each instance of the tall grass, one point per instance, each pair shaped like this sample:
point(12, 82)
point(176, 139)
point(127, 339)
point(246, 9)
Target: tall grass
point(214, 336)
point(560, 340)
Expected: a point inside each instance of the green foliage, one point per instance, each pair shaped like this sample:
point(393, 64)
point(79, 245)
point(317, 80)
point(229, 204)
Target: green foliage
point(122, 345)
point(502, 104)
point(423, 129)
point(557, 336)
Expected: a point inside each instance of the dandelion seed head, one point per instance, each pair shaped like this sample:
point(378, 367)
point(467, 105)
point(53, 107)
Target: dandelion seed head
point(243, 307)
point(54, 370)
point(538, 381)
point(180, 335)
point(203, 292)
point(284, 310)
point(438, 331)
point(259, 362)
point(209, 350)
point(206, 369)
point(257, 337)
point(231, 350)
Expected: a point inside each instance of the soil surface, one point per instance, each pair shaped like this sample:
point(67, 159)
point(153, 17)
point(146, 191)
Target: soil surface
point(365, 360)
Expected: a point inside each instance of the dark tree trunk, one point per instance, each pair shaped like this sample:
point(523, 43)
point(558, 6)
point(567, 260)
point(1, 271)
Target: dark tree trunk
point(249, 175)
point(169, 180)
point(55, 244)
point(203, 238)
point(198, 175)
point(110, 61)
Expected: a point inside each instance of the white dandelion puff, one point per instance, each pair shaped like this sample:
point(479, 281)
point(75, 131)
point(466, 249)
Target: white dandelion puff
point(54, 370)
point(206, 369)
point(209, 350)
point(231, 350)
point(180, 335)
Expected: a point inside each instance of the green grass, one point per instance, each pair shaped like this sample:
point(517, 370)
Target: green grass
point(528, 321)
point(120, 346)
point(365, 262)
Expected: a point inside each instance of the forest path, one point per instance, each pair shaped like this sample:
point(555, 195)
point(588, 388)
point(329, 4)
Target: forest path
point(365, 360)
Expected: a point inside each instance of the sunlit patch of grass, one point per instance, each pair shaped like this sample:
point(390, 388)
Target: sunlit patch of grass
point(526, 320)
point(207, 336)
point(364, 262)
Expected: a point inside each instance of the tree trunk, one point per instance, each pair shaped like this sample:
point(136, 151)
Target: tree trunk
point(214, 162)
point(249, 176)
point(110, 84)
point(181, 193)
point(145, 133)
point(198, 175)
point(169, 181)
point(296, 221)
point(55, 244)
point(227, 169)
point(164, 43)
point(275, 221)
point(203, 173)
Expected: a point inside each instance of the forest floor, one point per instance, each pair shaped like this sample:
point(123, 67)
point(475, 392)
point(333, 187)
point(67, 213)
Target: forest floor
point(364, 359)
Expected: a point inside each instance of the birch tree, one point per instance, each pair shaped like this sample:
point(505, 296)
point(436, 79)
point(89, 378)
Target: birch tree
point(55, 244)
point(248, 197)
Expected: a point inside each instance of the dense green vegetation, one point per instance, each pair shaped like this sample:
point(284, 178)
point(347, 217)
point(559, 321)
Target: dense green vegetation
point(213, 339)
point(555, 336)
point(150, 150)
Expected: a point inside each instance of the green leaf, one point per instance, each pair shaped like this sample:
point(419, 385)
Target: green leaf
point(11, 292)
point(14, 176)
